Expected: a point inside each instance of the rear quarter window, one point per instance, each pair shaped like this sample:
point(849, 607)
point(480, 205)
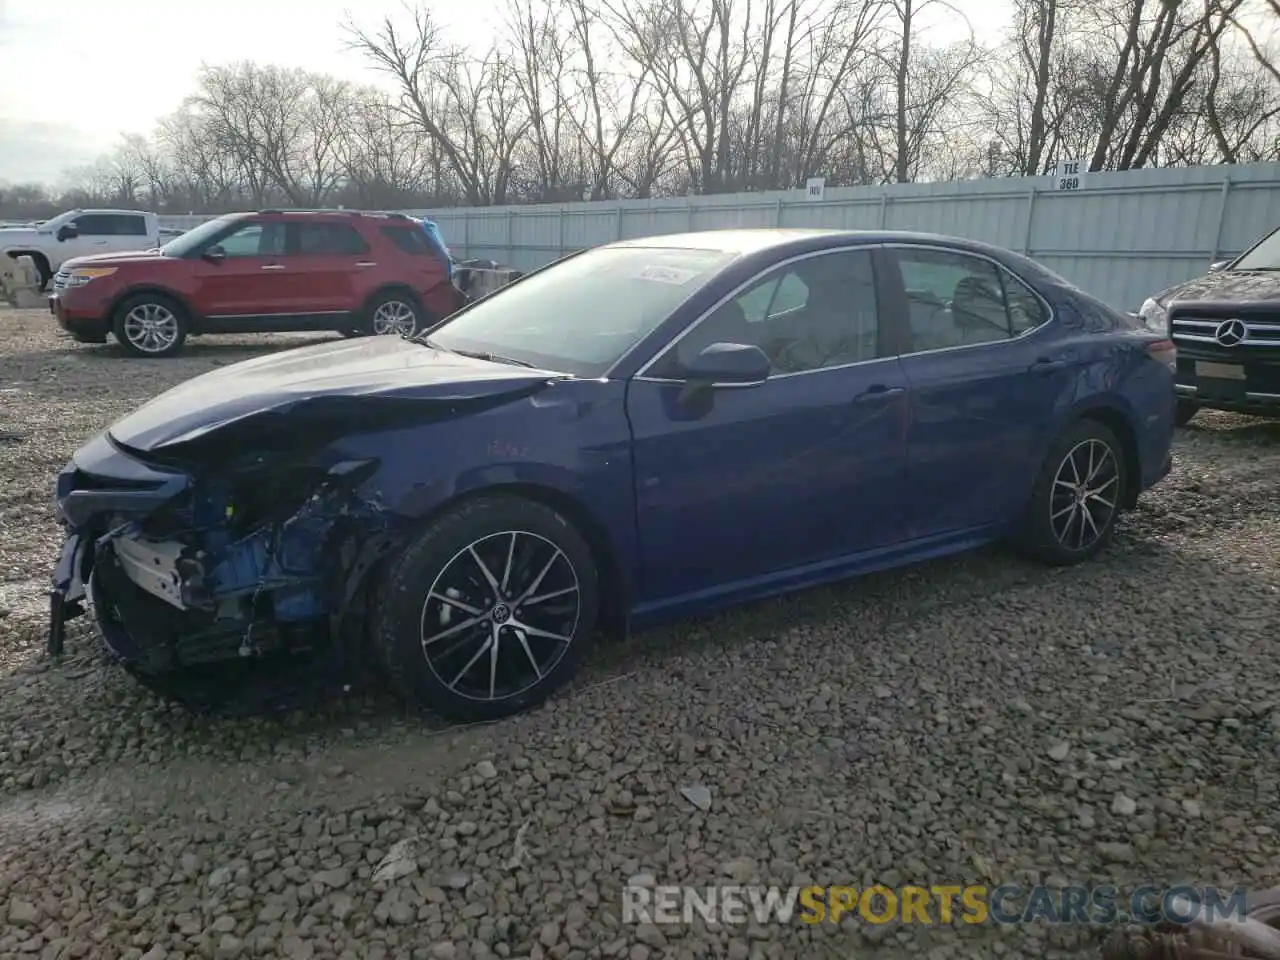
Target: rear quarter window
point(1026, 312)
point(408, 239)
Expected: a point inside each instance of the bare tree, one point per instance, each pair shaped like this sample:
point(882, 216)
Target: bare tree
point(445, 94)
point(596, 99)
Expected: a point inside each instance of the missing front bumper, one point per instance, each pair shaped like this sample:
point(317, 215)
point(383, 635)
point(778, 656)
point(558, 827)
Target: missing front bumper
point(203, 609)
point(155, 566)
point(67, 598)
point(101, 485)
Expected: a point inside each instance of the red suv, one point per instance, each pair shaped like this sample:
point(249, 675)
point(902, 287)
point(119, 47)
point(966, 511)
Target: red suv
point(267, 272)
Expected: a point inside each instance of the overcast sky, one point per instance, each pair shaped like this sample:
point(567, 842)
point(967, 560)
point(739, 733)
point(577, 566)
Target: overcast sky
point(76, 74)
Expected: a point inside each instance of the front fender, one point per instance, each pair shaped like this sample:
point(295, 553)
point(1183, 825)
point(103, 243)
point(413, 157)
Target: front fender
point(133, 290)
point(570, 447)
point(511, 473)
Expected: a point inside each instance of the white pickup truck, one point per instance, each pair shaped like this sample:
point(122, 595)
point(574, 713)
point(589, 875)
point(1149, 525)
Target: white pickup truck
point(79, 233)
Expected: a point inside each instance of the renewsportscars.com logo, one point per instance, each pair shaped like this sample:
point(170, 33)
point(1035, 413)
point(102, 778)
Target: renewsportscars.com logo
point(938, 904)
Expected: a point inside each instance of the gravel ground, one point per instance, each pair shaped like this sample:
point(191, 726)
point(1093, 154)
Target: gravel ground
point(972, 720)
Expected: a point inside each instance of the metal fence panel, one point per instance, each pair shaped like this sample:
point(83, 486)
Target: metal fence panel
point(1122, 237)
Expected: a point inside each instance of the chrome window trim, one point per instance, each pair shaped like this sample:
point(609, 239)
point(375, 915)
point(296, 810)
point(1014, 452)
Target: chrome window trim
point(1050, 316)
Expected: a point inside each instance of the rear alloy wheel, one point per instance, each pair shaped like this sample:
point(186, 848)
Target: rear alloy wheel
point(150, 325)
point(490, 611)
point(1186, 410)
point(394, 314)
point(1077, 496)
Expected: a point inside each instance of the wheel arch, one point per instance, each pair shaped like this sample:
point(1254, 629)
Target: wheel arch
point(1119, 422)
point(13, 253)
point(40, 259)
point(156, 290)
point(401, 289)
point(615, 584)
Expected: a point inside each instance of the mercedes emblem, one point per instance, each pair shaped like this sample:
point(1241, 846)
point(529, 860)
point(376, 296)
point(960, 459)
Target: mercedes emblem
point(1230, 333)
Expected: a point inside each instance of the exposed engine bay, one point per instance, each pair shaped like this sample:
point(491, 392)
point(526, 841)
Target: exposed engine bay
point(240, 577)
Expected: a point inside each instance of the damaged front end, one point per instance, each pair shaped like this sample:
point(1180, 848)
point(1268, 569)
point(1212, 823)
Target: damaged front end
point(229, 583)
point(224, 532)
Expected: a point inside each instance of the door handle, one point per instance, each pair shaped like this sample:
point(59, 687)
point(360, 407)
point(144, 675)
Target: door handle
point(366, 263)
point(273, 266)
point(878, 391)
point(1046, 365)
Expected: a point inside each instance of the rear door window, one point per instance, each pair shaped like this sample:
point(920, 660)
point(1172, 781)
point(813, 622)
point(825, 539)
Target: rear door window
point(126, 225)
point(326, 239)
point(956, 299)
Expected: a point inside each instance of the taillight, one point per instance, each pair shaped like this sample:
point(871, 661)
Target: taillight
point(1165, 351)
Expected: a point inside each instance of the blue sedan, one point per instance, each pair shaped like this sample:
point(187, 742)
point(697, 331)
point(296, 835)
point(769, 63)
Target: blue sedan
point(641, 431)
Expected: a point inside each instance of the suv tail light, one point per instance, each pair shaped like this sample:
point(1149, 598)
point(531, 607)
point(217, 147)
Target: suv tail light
point(1165, 351)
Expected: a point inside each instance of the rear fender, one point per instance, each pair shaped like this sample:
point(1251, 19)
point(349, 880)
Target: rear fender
point(1115, 412)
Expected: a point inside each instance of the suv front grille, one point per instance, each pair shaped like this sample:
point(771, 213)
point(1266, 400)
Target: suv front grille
point(61, 279)
point(1196, 330)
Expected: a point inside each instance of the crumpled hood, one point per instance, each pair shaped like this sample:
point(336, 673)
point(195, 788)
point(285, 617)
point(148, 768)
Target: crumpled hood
point(1244, 286)
point(373, 367)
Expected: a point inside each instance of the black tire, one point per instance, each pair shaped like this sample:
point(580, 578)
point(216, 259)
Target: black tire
point(1186, 410)
point(1041, 535)
point(166, 312)
point(403, 305)
point(408, 599)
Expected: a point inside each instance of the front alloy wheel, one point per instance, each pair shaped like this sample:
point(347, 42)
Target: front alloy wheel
point(489, 611)
point(500, 615)
point(150, 326)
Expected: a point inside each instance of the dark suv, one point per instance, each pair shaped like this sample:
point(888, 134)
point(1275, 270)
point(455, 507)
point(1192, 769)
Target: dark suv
point(266, 272)
point(1226, 326)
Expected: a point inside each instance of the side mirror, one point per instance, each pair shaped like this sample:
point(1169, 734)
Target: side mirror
point(68, 231)
point(1220, 265)
point(730, 364)
point(215, 254)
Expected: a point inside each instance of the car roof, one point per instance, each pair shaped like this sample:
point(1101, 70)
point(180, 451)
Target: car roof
point(742, 242)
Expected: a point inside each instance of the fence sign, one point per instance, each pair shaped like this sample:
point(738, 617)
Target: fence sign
point(1070, 174)
point(814, 187)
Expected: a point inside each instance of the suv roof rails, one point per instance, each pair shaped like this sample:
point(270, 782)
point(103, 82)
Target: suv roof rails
point(353, 213)
point(391, 214)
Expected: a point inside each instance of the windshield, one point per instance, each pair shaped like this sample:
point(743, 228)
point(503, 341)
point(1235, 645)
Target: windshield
point(582, 315)
point(181, 246)
point(1265, 256)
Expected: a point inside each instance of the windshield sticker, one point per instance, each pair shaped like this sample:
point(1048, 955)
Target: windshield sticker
point(674, 275)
